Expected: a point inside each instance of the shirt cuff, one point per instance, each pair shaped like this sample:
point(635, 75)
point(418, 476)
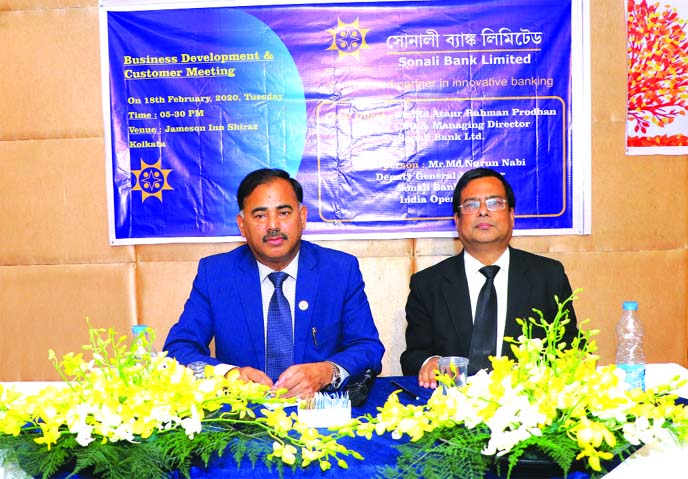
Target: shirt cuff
point(222, 369)
point(426, 361)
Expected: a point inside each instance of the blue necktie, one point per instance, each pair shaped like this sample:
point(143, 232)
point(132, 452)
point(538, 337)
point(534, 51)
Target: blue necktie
point(484, 337)
point(279, 354)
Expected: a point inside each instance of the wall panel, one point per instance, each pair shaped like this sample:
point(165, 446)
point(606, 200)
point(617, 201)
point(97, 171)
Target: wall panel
point(162, 291)
point(53, 203)
point(46, 307)
point(656, 279)
point(50, 87)
point(386, 282)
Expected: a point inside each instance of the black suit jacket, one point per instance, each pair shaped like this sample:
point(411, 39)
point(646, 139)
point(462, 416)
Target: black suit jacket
point(438, 309)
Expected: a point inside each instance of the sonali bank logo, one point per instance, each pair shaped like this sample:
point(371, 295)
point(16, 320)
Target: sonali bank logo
point(348, 38)
point(151, 180)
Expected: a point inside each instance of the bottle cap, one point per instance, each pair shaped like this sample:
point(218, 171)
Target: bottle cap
point(630, 305)
point(138, 329)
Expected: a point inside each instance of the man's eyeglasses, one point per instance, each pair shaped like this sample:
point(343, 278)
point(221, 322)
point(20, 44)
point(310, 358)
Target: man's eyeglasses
point(492, 204)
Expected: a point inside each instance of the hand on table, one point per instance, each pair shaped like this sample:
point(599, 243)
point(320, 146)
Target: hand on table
point(304, 380)
point(248, 373)
point(426, 375)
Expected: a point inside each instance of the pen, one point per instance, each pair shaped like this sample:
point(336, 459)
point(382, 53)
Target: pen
point(314, 332)
point(403, 389)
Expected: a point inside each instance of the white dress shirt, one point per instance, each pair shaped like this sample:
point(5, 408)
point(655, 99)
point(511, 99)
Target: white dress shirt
point(267, 288)
point(476, 280)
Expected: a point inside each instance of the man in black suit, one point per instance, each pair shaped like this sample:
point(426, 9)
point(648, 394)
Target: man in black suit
point(441, 305)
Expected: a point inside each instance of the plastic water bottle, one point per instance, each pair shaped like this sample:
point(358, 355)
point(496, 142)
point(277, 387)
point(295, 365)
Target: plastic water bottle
point(143, 343)
point(629, 351)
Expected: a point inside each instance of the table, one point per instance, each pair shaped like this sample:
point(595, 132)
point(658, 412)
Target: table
point(380, 451)
point(649, 461)
point(377, 452)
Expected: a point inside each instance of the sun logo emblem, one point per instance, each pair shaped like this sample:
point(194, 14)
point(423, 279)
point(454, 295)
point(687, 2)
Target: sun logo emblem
point(151, 180)
point(348, 38)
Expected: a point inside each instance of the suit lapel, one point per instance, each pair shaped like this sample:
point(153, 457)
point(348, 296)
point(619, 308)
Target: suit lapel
point(518, 294)
point(248, 282)
point(455, 291)
point(307, 284)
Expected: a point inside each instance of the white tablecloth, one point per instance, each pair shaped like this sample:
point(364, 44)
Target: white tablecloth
point(657, 460)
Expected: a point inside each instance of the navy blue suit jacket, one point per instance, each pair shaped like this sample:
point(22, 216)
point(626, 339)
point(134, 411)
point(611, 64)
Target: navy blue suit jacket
point(332, 319)
point(438, 309)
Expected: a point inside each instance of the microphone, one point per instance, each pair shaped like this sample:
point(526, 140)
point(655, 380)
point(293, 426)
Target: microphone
point(359, 388)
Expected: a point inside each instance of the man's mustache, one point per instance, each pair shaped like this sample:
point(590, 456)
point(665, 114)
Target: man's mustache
point(274, 234)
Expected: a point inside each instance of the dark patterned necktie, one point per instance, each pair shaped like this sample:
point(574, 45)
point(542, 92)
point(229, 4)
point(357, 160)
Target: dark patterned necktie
point(279, 354)
point(484, 337)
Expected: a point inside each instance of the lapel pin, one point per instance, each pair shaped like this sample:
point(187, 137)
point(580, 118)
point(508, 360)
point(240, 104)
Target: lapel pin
point(303, 305)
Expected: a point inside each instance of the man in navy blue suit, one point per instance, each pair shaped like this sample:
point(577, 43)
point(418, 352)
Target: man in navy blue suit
point(334, 336)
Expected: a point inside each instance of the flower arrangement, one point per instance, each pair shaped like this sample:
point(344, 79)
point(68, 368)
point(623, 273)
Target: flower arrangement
point(121, 414)
point(552, 401)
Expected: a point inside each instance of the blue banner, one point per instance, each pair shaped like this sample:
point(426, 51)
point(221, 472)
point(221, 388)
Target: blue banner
point(376, 108)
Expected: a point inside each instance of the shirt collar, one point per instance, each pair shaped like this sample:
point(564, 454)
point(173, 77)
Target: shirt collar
point(473, 266)
point(291, 269)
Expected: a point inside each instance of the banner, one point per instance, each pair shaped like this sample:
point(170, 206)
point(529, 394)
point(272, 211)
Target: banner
point(657, 108)
point(376, 108)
